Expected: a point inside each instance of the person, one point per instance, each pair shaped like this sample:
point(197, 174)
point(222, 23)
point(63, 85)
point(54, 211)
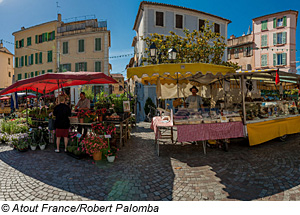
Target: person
point(194, 100)
point(83, 104)
point(41, 103)
point(62, 112)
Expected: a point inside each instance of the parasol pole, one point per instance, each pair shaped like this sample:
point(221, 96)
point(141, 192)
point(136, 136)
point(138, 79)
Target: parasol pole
point(26, 108)
point(177, 87)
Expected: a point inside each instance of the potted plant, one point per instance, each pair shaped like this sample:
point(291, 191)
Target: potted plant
point(111, 154)
point(22, 144)
point(101, 113)
point(94, 145)
point(81, 115)
point(32, 144)
point(90, 116)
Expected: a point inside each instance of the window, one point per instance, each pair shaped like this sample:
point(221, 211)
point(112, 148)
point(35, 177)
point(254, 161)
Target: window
point(217, 28)
point(49, 71)
point(40, 38)
point(201, 24)
point(280, 22)
point(22, 61)
point(98, 66)
point(264, 60)
point(30, 59)
point(32, 74)
point(228, 54)
point(97, 44)
point(80, 66)
point(65, 67)
point(247, 51)
point(49, 56)
point(179, 21)
point(26, 60)
point(120, 88)
point(65, 47)
point(41, 57)
point(19, 77)
point(264, 25)
point(159, 19)
point(16, 62)
point(36, 58)
point(236, 53)
point(279, 38)
point(28, 41)
point(8, 61)
point(36, 73)
point(80, 45)
point(264, 40)
point(9, 74)
point(51, 35)
point(279, 59)
point(26, 75)
point(43, 71)
point(21, 43)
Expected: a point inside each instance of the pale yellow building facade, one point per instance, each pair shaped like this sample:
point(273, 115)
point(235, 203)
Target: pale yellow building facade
point(120, 86)
point(6, 67)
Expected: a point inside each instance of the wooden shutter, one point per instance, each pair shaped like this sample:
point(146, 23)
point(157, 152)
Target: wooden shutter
point(16, 62)
point(274, 22)
point(69, 67)
point(17, 43)
point(22, 61)
point(60, 68)
point(46, 36)
point(274, 59)
point(26, 76)
point(43, 71)
point(25, 60)
point(284, 21)
point(283, 37)
point(274, 39)
point(31, 59)
point(41, 57)
point(36, 39)
point(36, 58)
point(76, 67)
point(22, 43)
point(32, 74)
point(85, 66)
point(283, 58)
point(19, 76)
point(98, 44)
point(36, 73)
point(53, 35)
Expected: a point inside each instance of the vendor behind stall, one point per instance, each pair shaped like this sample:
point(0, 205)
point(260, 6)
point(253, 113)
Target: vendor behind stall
point(194, 100)
point(83, 104)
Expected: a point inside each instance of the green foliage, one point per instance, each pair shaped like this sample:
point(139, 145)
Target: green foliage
point(14, 126)
point(88, 90)
point(231, 64)
point(148, 103)
point(203, 46)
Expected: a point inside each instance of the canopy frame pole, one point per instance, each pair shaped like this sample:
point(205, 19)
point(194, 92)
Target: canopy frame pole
point(243, 96)
point(177, 87)
point(26, 108)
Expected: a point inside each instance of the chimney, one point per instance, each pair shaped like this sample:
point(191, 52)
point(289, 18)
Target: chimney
point(1, 44)
point(243, 34)
point(232, 37)
point(59, 17)
point(23, 28)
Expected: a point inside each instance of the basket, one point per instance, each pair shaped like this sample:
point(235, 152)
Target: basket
point(73, 119)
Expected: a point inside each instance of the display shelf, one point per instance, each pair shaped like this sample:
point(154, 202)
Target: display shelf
point(270, 118)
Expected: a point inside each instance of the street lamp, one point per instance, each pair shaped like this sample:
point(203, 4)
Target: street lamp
point(172, 54)
point(153, 50)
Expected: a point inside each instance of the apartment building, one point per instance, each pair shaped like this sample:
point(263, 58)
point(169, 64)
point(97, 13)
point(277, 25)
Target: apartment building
point(120, 86)
point(6, 67)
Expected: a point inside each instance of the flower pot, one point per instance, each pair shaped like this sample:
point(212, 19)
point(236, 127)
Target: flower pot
point(97, 156)
point(33, 148)
point(42, 147)
point(81, 120)
point(86, 120)
point(111, 159)
point(100, 118)
point(23, 150)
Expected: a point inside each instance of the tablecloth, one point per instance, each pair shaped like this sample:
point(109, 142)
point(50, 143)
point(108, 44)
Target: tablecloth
point(158, 122)
point(211, 131)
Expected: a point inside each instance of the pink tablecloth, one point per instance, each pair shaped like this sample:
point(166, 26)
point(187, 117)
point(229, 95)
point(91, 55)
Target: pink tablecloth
point(213, 131)
point(156, 123)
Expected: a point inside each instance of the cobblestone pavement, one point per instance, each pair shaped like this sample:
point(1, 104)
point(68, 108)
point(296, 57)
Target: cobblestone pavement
point(270, 171)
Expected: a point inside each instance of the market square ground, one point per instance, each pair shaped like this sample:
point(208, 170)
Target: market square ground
point(270, 171)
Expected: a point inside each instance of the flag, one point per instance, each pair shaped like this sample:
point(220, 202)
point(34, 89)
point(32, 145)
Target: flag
point(277, 80)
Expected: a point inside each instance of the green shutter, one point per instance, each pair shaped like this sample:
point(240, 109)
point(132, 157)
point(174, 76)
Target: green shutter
point(274, 22)
point(53, 35)
point(283, 37)
point(85, 66)
point(16, 62)
point(46, 36)
point(76, 67)
point(41, 57)
point(31, 59)
point(98, 44)
point(25, 60)
point(32, 75)
point(284, 21)
point(81, 46)
point(69, 67)
point(17, 43)
point(49, 71)
point(19, 76)
point(36, 73)
point(274, 39)
point(60, 68)
point(262, 60)
point(22, 43)
point(43, 37)
point(36, 39)
point(49, 56)
point(43, 71)
point(274, 59)
point(26, 75)
point(283, 58)
point(36, 58)
point(22, 61)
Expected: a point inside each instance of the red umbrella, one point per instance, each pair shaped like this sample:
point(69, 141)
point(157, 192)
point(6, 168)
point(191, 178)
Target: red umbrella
point(52, 81)
point(5, 98)
point(30, 97)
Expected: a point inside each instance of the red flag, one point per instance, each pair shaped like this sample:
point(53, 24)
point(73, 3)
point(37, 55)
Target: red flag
point(277, 80)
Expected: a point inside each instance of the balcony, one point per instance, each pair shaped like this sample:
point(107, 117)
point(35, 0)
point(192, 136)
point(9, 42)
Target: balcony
point(81, 27)
point(239, 41)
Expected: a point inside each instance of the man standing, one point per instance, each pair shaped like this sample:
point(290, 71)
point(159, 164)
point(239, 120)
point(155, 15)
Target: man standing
point(83, 104)
point(194, 100)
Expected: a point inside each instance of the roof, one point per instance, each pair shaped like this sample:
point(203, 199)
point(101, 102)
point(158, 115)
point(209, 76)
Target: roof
point(286, 11)
point(5, 50)
point(34, 26)
point(172, 6)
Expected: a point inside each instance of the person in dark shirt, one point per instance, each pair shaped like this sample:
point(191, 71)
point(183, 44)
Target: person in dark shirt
point(62, 122)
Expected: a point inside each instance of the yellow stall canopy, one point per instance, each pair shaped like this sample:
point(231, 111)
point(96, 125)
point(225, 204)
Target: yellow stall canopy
point(178, 73)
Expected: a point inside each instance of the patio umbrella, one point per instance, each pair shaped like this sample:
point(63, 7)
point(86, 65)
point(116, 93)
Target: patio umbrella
point(52, 81)
point(5, 98)
point(30, 97)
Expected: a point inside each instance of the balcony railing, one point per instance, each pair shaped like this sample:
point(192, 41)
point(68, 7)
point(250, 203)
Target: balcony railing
point(81, 26)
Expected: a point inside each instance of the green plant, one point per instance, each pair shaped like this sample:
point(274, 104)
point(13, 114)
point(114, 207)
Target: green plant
point(111, 151)
point(148, 103)
point(93, 143)
point(22, 143)
point(88, 90)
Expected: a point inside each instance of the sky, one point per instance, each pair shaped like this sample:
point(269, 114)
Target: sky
point(121, 14)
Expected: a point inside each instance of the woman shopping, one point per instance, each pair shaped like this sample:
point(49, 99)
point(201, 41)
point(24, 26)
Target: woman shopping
point(62, 112)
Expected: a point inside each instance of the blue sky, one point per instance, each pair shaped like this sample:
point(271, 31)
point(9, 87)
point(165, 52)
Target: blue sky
point(120, 15)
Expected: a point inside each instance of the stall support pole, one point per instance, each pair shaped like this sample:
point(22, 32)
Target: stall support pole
point(243, 96)
point(26, 109)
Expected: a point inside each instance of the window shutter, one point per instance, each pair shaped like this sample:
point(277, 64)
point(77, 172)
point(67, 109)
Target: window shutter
point(274, 23)
point(85, 66)
point(31, 59)
point(53, 35)
point(17, 42)
point(283, 58)
point(274, 39)
point(22, 61)
point(32, 74)
point(69, 67)
point(60, 67)
point(46, 36)
point(284, 21)
point(25, 60)
point(16, 62)
point(274, 59)
point(283, 37)
point(41, 57)
point(43, 37)
point(251, 51)
point(244, 51)
point(76, 67)
point(67, 47)
point(25, 75)
point(36, 73)
point(43, 71)
point(22, 43)
point(36, 58)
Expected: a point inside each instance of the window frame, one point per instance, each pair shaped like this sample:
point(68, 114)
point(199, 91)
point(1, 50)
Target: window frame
point(263, 22)
point(175, 21)
point(199, 24)
point(63, 48)
point(236, 53)
point(96, 44)
point(79, 46)
point(216, 24)
point(277, 22)
point(265, 35)
point(100, 66)
point(265, 60)
point(164, 22)
point(277, 35)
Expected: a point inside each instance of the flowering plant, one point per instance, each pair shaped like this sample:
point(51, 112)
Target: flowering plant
point(102, 129)
point(81, 114)
point(93, 143)
point(91, 116)
point(112, 151)
point(101, 111)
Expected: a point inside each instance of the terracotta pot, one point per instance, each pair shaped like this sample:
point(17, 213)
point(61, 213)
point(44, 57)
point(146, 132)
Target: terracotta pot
point(97, 156)
point(81, 120)
point(100, 118)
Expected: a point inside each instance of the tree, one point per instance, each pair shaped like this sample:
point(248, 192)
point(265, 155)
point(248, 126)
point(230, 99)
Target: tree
point(204, 46)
